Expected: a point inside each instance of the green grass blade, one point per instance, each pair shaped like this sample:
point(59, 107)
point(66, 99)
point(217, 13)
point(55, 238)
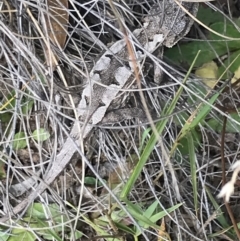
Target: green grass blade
point(98, 229)
point(48, 232)
point(151, 209)
point(149, 212)
point(162, 214)
point(192, 157)
point(195, 119)
point(229, 230)
point(152, 141)
point(125, 228)
point(139, 216)
point(203, 110)
point(200, 114)
point(220, 217)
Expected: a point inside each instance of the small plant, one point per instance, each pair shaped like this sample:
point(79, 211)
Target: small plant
point(215, 47)
point(121, 223)
point(40, 221)
point(19, 140)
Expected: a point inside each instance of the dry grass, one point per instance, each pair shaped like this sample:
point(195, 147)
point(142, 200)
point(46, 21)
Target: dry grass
point(34, 70)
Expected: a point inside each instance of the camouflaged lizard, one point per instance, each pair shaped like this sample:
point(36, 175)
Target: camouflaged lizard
point(165, 25)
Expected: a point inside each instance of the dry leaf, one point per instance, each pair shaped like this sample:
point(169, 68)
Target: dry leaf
point(236, 75)
point(208, 72)
point(163, 235)
point(57, 21)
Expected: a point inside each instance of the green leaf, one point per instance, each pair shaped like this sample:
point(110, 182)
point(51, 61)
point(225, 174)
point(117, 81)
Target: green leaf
point(90, 181)
point(77, 235)
point(21, 235)
point(185, 53)
point(183, 144)
point(50, 233)
point(5, 117)
point(233, 65)
point(226, 30)
point(27, 106)
point(4, 235)
point(37, 216)
point(19, 141)
point(208, 16)
point(217, 125)
point(38, 210)
point(41, 134)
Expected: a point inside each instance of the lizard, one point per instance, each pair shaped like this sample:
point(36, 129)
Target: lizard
point(165, 25)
